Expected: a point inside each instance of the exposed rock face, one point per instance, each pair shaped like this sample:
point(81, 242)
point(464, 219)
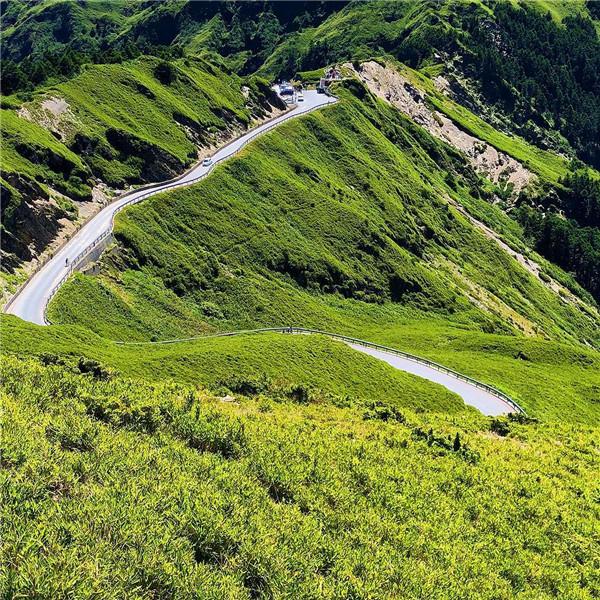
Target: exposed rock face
point(157, 164)
point(54, 114)
point(31, 224)
point(395, 89)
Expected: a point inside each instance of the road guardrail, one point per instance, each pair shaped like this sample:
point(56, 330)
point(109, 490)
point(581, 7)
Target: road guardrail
point(350, 340)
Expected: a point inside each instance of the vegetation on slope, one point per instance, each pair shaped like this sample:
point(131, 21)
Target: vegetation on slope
point(307, 470)
point(253, 244)
point(552, 381)
point(536, 62)
point(249, 247)
point(120, 488)
point(514, 54)
point(310, 367)
point(558, 212)
point(123, 124)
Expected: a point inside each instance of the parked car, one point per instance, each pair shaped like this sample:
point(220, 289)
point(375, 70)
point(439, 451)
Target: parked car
point(300, 98)
point(207, 162)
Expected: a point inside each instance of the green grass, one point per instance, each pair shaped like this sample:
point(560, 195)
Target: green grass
point(130, 489)
point(559, 9)
point(28, 151)
point(313, 363)
point(129, 98)
point(552, 381)
point(336, 221)
point(127, 472)
point(121, 126)
point(256, 240)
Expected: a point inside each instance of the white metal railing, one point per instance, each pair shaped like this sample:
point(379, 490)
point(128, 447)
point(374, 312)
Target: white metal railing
point(350, 340)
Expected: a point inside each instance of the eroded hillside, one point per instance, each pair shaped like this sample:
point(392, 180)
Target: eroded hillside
point(387, 83)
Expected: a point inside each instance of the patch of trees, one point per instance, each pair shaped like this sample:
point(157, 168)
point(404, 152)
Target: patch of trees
point(540, 71)
point(567, 228)
point(581, 198)
point(62, 63)
point(575, 249)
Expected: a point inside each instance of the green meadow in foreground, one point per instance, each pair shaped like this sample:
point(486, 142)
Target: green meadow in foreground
point(552, 381)
point(120, 488)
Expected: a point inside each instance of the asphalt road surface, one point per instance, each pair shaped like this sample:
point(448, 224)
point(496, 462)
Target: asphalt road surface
point(472, 395)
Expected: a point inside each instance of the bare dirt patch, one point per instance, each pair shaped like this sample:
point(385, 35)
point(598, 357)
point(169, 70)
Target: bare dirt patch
point(391, 86)
point(52, 113)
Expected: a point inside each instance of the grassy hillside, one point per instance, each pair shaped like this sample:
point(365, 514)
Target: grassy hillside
point(52, 25)
point(279, 466)
point(551, 381)
point(496, 53)
point(251, 247)
point(117, 489)
point(313, 367)
point(548, 165)
point(253, 244)
point(120, 124)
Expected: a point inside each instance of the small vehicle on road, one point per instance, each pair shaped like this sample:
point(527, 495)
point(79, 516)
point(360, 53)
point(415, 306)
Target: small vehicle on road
point(300, 97)
point(207, 162)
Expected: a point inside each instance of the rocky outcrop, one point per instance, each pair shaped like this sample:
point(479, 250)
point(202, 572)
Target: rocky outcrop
point(30, 220)
point(395, 89)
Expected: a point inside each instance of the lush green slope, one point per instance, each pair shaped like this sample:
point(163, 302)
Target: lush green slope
point(38, 28)
point(120, 489)
point(307, 366)
point(321, 223)
point(535, 74)
point(252, 246)
point(300, 468)
point(534, 62)
point(123, 124)
point(551, 381)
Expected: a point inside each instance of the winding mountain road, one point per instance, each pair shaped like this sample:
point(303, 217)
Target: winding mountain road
point(487, 402)
point(31, 301)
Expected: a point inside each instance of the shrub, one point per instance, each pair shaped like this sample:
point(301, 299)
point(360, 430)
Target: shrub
point(94, 368)
point(247, 386)
point(384, 412)
point(72, 434)
point(165, 73)
point(499, 427)
point(210, 432)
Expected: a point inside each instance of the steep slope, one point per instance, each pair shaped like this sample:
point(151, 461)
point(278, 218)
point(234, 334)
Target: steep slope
point(51, 26)
point(347, 210)
point(557, 203)
point(108, 128)
point(342, 221)
point(529, 67)
point(518, 65)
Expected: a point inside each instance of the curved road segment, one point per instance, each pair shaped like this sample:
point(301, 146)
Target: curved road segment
point(30, 304)
point(482, 400)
